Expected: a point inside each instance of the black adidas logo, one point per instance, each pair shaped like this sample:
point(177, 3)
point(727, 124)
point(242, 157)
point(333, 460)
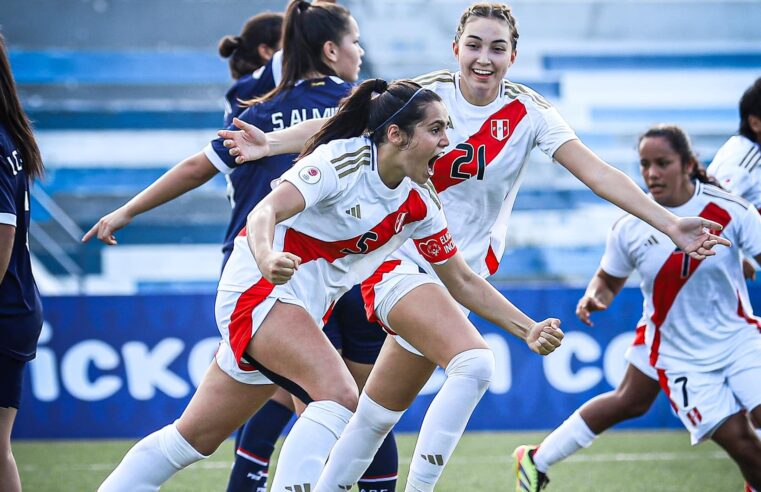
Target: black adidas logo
point(354, 212)
point(651, 241)
point(434, 459)
point(304, 487)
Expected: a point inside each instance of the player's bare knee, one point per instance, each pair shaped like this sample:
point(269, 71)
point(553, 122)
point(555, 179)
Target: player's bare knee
point(345, 393)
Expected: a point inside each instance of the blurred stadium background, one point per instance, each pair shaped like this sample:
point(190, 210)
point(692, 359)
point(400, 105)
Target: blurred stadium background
point(120, 90)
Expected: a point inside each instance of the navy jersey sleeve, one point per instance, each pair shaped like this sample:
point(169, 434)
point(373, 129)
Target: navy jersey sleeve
point(218, 154)
point(10, 164)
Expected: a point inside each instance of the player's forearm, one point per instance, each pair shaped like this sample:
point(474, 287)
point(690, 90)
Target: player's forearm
point(7, 236)
point(260, 230)
point(479, 296)
point(185, 176)
point(613, 185)
point(600, 290)
point(292, 140)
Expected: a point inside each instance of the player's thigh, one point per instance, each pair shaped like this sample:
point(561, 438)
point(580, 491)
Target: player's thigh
point(398, 376)
point(637, 388)
point(743, 376)
point(432, 322)
point(219, 406)
point(360, 372)
point(289, 343)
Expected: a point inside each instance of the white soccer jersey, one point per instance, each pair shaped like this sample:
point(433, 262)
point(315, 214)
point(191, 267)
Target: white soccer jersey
point(737, 167)
point(697, 313)
point(479, 176)
point(352, 221)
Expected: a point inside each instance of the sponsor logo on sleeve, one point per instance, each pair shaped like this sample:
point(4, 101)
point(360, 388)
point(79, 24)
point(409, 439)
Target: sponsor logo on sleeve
point(438, 247)
point(310, 175)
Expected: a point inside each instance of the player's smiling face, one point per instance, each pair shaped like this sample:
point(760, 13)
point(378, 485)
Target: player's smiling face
point(666, 177)
point(484, 53)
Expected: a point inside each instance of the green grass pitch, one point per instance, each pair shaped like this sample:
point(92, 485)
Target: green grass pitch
point(618, 461)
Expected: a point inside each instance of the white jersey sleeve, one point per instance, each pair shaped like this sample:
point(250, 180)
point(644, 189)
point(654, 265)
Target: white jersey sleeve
point(749, 232)
point(552, 130)
point(616, 260)
point(314, 177)
point(734, 166)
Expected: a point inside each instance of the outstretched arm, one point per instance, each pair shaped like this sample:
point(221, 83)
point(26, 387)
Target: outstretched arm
point(250, 143)
point(185, 176)
point(689, 233)
point(599, 294)
point(478, 295)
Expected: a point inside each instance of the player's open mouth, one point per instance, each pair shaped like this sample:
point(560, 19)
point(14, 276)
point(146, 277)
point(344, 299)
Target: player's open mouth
point(432, 161)
point(482, 73)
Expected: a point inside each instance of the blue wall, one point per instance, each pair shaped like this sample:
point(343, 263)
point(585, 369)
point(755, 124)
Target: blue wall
point(124, 366)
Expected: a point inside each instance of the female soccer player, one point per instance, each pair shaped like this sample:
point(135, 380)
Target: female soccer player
point(298, 254)
point(639, 387)
point(702, 339)
point(737, 164)
point(248, 53)
point(495, 124)
point(321, 42)
point(20, 308)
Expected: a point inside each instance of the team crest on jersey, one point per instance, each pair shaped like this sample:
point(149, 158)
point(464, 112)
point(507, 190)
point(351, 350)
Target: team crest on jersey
point(399, 222)
point(500, 129)
point(310, 175)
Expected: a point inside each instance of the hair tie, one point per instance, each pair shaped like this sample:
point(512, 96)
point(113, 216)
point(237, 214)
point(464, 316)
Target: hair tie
point(397, 111)
point(380, 86)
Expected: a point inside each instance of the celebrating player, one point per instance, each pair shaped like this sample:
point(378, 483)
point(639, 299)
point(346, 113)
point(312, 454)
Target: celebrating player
point(495, 124)
point(298, 254)
point(20, 308)
point(704, 353)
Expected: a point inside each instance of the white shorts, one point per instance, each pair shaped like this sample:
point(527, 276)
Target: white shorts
point(393, 280)
point(638, 355)
point(239, 316)
point(704, 400)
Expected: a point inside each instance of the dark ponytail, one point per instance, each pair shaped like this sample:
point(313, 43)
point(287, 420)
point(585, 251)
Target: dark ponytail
point(15, 120)
point(750, 105)
point(371, 108)
point(307, 27)
point(243, 50)
point(680, 143)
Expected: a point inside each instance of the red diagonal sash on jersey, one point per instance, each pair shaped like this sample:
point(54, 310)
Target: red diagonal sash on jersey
point(673, 275)
point(309, 248)
point(450, 169)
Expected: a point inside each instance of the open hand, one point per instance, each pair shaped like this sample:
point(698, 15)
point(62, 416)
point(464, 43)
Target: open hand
point(585, 307)
point(247, 144)
point(695, 236)
point(108, 225)
point(545, 336)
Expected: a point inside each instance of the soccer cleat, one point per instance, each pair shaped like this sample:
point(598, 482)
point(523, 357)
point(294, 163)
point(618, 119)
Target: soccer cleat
point(527, 477)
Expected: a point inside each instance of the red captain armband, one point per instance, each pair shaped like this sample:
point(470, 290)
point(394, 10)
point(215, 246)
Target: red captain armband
point(437, 247)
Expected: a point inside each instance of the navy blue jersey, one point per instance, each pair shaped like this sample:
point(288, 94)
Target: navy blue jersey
point(20, 308)
point(249, 183)
point(253, 85)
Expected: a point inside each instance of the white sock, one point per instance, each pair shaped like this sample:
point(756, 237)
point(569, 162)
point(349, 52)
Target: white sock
point(468, 377)
point(357, 446)
point(151, 462)
point(307, 446)
point(572, 435)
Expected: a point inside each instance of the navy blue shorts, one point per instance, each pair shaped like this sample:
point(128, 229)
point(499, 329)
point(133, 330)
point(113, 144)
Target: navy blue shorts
point(12, 371)
point(350, 332)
